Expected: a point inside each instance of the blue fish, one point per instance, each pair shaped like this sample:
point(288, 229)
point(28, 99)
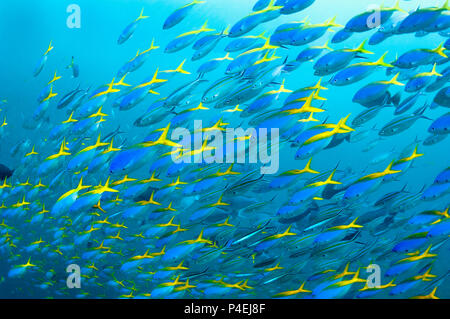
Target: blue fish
point(180, 14)
point(129, 29)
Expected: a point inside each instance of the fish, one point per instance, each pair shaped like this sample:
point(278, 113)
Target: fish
point(248, 23)
point(185, 39)
point(441, 125)
point(367, 115)
point(213, 64)
point(387, 198)
point(42, 61)
point(129, 30)
point(206, 44)
point(439, 81)
point(357, 72)
point(407, 103)
point(246, 42)
point(5, 172)
point(303, 34)
point(421, 18)
point(174, 98)
point(68, 98)
point(180, 14)
point(419, 57)
point(421, 80)
point(294, 6)
point(264, 153)
point(434, 139)
point(311, 53)
point(75, 68)
point(341, 36)
point(442, 98)
point(375, 93)
point(337, 60)
point(379, 37)
point(402, 123)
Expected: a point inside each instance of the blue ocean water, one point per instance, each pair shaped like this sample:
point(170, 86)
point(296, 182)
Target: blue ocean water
point(26, 29)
